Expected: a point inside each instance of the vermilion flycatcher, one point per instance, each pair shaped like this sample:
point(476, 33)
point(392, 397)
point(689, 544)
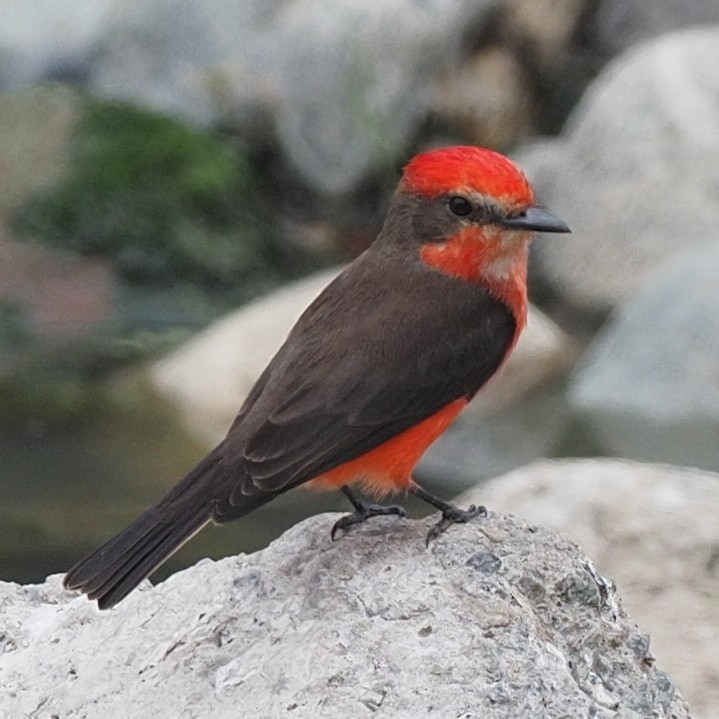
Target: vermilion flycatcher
point(375, 369)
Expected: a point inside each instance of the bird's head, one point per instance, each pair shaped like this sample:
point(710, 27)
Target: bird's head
point(471, 213)
point(477, 186)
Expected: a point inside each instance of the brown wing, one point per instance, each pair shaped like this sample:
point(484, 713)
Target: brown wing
point(388, 344)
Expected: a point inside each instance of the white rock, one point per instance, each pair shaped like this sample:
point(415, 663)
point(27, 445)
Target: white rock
point(647, 386)
point(636, 173)
point(653, 529)
point(497, 619)
point(208, 378)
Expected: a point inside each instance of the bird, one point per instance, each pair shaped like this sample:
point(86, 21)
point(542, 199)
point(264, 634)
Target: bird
point(375, 369)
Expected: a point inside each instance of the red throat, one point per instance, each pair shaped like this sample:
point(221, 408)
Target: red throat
point(481, 255)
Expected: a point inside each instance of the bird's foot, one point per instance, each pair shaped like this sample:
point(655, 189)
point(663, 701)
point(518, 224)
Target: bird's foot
point(454, 515)
point(368, 511)
point(363, 512)
point(450, 514)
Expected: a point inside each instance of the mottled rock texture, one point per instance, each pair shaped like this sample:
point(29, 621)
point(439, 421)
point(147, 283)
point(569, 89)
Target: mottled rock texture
point(497, 618)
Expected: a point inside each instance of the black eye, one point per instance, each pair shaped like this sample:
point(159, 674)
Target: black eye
point(460, 206)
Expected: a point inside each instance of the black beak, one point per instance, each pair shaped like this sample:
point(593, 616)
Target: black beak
point(537, 219)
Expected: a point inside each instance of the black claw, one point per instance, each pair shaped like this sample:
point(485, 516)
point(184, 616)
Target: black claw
point(454, 515)
point(364, 513)
point(450, 514)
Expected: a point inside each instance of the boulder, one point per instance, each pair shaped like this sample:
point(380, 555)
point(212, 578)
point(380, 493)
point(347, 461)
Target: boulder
point(498, 619)
point(647, 387)
point(636, 171)
point(653, 529)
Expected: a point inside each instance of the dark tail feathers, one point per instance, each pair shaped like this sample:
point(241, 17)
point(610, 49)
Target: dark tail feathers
point(111, 572)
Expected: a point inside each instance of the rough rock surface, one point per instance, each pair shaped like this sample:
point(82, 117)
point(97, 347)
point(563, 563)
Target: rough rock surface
point(647, 386)
point(640, 156)
point(497, 619)
point(653, 529)
point(209, 376)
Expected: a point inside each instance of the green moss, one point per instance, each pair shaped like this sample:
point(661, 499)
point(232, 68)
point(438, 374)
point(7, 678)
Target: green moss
point(165, 203)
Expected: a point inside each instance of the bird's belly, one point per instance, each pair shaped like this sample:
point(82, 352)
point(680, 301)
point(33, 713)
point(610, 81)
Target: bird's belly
point(388, 467)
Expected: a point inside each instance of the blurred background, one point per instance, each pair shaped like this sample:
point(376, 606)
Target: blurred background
point(179, 179)
point(167, 166)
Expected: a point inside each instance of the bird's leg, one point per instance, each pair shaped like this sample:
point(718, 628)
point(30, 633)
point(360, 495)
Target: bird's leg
point(450, 514)
point(363, 512)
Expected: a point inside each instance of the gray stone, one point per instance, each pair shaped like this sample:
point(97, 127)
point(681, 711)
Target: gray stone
point(496, 619)
point(621, 23)
point(647, 386)
point(653, 529)
point(636, 172)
